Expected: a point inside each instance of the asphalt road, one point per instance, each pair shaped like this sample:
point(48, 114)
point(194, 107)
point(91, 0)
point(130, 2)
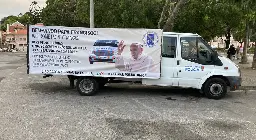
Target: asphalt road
point(35, 108)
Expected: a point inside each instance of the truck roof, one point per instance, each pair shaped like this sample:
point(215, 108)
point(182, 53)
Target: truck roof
point(176, 33)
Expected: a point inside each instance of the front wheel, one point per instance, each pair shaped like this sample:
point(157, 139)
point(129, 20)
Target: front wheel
point(87, 86)
point(215, 88)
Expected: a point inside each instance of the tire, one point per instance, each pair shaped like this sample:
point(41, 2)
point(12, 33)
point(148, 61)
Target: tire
point(91, 62)
point(87, 90)
point(215, 88)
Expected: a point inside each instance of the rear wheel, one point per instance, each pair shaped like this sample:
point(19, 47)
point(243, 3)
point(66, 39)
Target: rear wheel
point(215, 88)
point(87, 86)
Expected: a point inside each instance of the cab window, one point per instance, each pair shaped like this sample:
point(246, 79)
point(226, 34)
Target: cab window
point(169, 47)
point(195, 49)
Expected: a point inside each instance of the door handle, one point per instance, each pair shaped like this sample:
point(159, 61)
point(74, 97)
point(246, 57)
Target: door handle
point(178, 62)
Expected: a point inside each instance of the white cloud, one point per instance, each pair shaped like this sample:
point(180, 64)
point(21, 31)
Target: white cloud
point(15, 7)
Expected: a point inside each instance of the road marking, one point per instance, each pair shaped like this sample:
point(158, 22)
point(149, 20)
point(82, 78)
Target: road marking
point(12, 73)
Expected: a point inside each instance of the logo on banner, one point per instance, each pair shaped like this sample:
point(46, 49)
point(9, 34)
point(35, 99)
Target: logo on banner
point(150, 39)
point(100, 73)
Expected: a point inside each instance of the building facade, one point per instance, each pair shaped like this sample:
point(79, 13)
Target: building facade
point(1, 38)
point(16, 36)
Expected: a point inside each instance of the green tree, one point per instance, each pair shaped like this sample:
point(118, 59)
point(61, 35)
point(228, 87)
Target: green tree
point(8, 20)
point(169, 13)
point(25, 18)
point(248, 10)
point(34, 14)
point(109, 13)
point(208, 18)
point(63, 12)
point(127, 13)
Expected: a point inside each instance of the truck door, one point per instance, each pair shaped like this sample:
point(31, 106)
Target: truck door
point(169, 60)
point(195, 61)
point(168, 63)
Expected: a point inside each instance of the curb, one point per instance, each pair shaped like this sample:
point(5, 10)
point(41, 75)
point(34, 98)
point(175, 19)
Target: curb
point(243, 88)
point(246, 67)
point(247, 88)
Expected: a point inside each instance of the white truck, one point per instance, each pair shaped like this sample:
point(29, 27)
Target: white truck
point(187, 61)
point(206, 71)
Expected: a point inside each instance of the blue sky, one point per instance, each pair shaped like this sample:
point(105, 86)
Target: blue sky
point(14, 7)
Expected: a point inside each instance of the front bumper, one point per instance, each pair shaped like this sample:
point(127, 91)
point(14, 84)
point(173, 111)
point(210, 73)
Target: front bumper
point(235, 82)
point(99, 59)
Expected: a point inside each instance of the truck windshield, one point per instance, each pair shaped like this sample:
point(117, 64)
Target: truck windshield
point(202, 45)
point(111, 43)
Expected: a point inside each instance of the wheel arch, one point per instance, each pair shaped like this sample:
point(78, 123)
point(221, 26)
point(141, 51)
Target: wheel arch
point(216, 76)
point(98, 79)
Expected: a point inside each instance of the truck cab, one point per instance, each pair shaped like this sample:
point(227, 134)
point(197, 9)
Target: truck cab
point(189, 61)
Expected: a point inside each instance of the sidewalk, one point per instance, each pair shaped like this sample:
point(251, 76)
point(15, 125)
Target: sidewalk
point(248, 74)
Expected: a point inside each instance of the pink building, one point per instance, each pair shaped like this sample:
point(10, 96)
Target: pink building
point(16, 36)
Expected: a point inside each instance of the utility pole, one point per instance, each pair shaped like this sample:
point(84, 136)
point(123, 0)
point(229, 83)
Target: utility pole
point(91, 14)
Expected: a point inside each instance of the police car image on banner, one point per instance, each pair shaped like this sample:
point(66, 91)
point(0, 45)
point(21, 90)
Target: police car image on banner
point(104, 51)
point(150, 39)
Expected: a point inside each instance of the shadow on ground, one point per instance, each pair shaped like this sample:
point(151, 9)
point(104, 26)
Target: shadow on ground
point(49, 87)
point(110, 91)
point(138, 129)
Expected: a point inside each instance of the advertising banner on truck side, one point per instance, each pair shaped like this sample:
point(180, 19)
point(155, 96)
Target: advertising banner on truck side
point(103, 52)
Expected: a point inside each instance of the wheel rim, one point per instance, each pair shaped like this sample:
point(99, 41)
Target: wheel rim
point(216, 89)
point(86, 86)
